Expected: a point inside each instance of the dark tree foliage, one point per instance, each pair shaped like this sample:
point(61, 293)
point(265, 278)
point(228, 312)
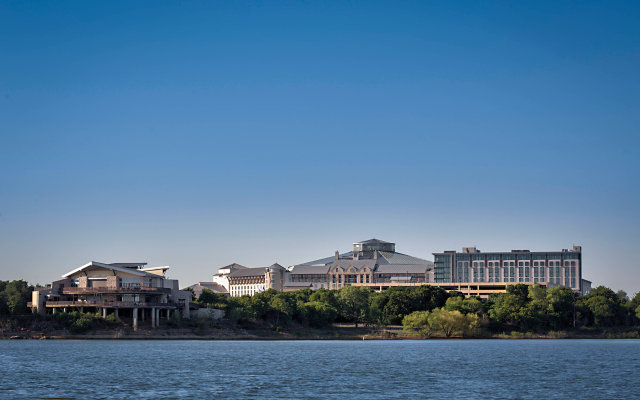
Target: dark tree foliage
point(521, 308)
point(14, 296)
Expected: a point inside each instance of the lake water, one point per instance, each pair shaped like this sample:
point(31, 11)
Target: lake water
point(447, 369)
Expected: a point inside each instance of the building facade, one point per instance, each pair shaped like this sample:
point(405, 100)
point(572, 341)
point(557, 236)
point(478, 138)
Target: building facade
point(370, 262)
point(239, 280)
point(126, 290)
point(553, 268)
point(376, 264)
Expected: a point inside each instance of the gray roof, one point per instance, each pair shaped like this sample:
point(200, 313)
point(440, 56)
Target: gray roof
point(327, 260)
point(374, 241)
point(403, 268)
point(234, 266)
point(200, 286)
point(248, 272)
point(399, 258)
point(310, 269)
point(357, 264)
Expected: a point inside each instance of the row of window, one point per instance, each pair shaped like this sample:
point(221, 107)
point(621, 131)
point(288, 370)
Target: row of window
point(511, 256)
point(520, 263)
point(570, 282)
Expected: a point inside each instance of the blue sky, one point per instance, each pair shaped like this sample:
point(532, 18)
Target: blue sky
point(204, 133)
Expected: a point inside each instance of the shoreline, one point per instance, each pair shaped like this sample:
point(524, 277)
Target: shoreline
point(263, 335)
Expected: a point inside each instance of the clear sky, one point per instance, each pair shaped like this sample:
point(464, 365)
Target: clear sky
point(196, 134)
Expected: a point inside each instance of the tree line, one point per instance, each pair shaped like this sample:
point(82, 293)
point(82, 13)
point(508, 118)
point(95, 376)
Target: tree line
point(426, 310)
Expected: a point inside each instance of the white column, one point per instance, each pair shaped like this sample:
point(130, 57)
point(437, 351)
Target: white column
point(135, 319)
point(115, 312)
point(153, 317)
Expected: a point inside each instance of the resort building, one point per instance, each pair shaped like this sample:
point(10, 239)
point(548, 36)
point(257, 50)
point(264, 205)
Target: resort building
point(239, 280)
point(369, 263)
point(127, 290)
point(376, 264)
point(552, 268)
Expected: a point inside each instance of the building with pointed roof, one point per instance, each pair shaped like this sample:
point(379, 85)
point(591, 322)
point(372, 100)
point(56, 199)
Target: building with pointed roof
point(370, 262)
point(126, 290)
point(239, 280)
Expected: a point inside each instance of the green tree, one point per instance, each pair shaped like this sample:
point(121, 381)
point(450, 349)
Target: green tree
point(377, 302)
point(450, 322)
point(209, 298)
point(398, 305)
point(622, 296)
point(602, 307)
point(561, 307)
point(319, 314)
point(354, 303)
point(418, 322)
point(281, 307)
point(14, 296)
point(325, 296)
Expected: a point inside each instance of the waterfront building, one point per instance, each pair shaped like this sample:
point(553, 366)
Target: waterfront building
point(239, 280)
point(551, 268)
point(127, 290)
point(370, 262)
point(376, 264)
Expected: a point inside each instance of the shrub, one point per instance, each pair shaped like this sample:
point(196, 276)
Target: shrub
point(80, 325)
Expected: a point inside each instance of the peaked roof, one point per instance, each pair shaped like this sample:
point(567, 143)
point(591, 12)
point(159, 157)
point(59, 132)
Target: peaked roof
point(233, 266)
point(113, 267)
point(248, 272)
point(328, 260)
point(374, 241)
point(387, 257)
point(310, 269)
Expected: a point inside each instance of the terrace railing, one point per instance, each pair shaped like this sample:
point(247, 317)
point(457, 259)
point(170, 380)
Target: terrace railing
point(109, 289)
point(119, 304)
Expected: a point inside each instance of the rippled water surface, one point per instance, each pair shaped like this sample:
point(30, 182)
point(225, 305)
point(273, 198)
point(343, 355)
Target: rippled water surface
point(469, 369)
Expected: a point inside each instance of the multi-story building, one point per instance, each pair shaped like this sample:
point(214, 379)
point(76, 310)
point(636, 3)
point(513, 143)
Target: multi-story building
point(371, 262)
point(552, 268)
point(239, 280)
point(375, 263)
point(128, 290)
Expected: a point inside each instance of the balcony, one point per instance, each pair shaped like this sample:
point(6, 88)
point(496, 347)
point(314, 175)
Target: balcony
point(107, 304)
point(122, 289)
